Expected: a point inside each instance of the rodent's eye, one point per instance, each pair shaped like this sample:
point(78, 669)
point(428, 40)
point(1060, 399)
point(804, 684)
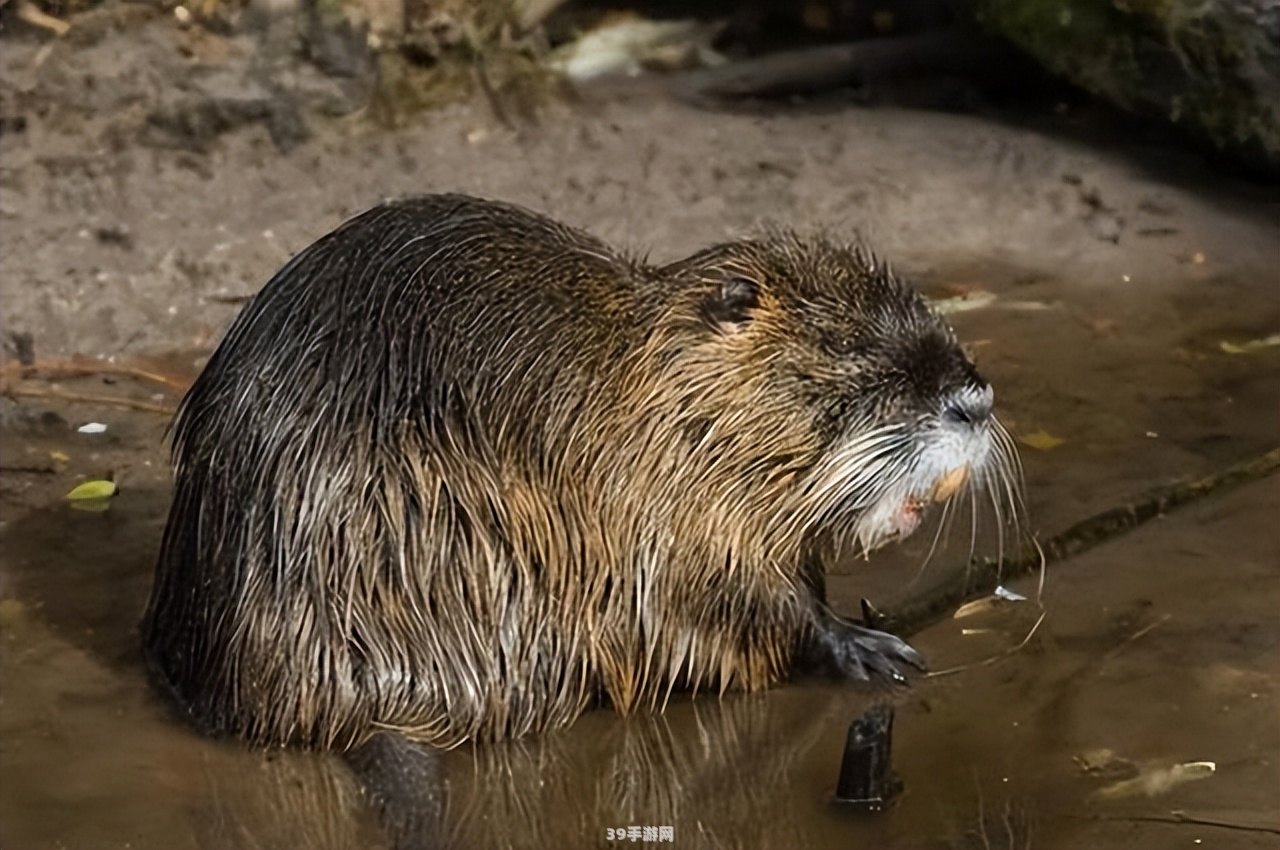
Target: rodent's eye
point(839, 345)
point(740, 293)
point(731, 304)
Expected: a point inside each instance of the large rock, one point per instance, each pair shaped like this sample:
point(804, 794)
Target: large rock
point(1209, 66)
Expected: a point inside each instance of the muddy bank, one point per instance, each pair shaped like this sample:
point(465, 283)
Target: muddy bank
point(1118, 288)
point(116, 243)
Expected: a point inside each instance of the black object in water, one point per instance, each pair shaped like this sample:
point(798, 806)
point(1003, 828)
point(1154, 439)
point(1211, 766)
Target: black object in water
point(867, 780)
point(405, 784)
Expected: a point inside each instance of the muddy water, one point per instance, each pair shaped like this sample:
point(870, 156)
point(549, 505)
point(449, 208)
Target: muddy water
point(1161, 647)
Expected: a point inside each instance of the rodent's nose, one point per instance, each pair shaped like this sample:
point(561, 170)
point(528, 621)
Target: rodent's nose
point(969, 405)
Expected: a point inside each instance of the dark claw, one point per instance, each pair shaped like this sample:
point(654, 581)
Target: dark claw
point(856, 652)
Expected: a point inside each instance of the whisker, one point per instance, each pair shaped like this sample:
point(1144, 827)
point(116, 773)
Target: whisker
point(993, 495)
point(868, 474)
point(1044, 562)
point(856, 463)
point(973, 526)
point(859, 469)
point(951, 516)
point(1013, 482)
point(942, 521)
point(1010, 466)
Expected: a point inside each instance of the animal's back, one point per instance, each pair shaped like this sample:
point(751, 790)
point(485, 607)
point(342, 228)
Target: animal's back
point(342, 467)
point(399, 303)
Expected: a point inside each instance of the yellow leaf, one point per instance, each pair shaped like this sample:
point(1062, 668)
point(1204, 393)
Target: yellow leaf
point(977, 606)
point(93, 506)
point(1041, 439)
point(92, 490)
point(974, 300)
point(1251, 345)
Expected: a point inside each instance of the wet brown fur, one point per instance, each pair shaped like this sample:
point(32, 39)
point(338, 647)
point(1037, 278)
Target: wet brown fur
point(461, 471)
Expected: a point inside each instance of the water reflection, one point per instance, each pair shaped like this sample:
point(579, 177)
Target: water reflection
point(745, 771)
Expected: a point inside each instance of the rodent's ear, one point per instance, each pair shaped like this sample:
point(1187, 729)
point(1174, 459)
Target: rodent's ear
point(730, 304)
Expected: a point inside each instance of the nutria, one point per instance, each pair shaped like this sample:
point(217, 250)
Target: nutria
point(461, 471)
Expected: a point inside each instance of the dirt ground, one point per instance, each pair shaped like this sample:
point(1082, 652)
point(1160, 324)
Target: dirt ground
point(1117, 268)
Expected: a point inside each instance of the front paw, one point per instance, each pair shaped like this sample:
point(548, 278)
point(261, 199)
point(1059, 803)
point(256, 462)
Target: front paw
point(848, 651)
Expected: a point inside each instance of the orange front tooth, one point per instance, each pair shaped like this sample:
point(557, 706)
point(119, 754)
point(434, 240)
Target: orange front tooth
point(948, 484)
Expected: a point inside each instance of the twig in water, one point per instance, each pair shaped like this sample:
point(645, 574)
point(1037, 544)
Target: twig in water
point(78, 398)
point(1178, 817)
point(30, 470)
point(14, 371)
point(994, 659)
point(1131, 638)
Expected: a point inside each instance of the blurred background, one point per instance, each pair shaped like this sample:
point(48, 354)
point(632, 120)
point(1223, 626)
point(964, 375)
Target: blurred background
point(1089, 189)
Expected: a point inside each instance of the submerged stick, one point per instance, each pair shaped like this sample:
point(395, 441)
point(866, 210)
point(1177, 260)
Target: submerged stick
point(85, 398)
point(71, 368)
point(867, 780)
point(1182, 817)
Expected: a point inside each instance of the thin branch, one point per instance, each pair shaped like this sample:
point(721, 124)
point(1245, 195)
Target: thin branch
point(29, 470)
point(855, 63)
point(83, 398)
point(1180, 818)
point(18, 371)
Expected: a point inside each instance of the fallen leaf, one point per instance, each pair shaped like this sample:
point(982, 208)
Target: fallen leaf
point(1041, 440)
point(999, 597)
point(1104, 763)
point(628, 45)
point(93, 506)
point(1251, 345)
point(1029, 306)
point(91, 490)
point(1155, 781)
point(973, 300)
point(977, 606)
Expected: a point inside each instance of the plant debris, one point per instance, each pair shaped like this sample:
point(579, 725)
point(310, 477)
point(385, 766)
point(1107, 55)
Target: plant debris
point(1041, 440)
point(1154, 781)
point(96, 489)
point(1250, 346)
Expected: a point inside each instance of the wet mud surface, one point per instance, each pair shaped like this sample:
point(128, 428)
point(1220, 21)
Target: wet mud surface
point(1114, 279)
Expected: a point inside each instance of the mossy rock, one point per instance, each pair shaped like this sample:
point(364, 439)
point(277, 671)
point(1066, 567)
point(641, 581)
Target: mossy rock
point(1209, 66)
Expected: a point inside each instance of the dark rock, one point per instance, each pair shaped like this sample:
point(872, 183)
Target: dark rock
point(1211, 67)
